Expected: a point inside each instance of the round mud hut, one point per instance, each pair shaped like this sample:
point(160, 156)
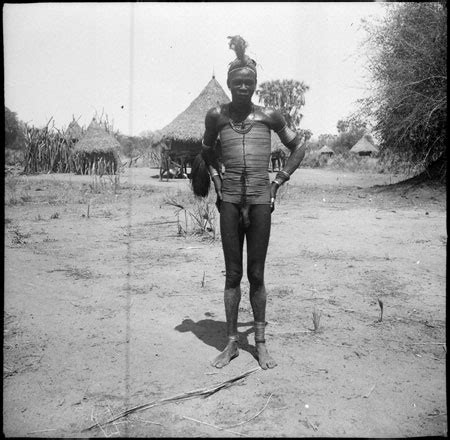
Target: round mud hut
point(183, 136)
point(97, 152)
point(364, 147)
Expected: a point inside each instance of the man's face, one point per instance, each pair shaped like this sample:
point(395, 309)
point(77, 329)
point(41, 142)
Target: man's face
point(242, 85)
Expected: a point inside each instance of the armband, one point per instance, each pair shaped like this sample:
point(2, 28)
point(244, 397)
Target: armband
point(281, 177)
point(286, 135)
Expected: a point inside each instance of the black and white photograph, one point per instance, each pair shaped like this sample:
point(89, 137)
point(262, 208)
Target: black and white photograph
point(225, 219)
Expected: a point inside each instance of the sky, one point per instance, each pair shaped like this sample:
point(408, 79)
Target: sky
point(142, 64)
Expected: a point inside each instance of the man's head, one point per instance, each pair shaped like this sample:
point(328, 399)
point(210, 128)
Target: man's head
point(241, 78)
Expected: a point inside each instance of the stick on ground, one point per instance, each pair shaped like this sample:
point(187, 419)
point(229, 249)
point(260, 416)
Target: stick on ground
point(214, 426)
point(202, 392)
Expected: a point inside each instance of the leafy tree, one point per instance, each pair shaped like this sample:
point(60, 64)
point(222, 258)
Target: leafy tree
point(14, 131)
point(350, 131)
point(326, 139)
point(305, 133)
point(353, 123)
point(287, 96)
point(408, 64)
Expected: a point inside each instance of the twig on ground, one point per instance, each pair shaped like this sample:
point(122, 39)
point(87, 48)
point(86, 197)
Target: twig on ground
point(289, 332)
point(415, 343)
point(254, 417)
point(148, 421)
point(310, 424)
point(436, 414)
point(100, 426)
point(426, 343)
point(203, 279)
point(202, 392)
point(369, 393)
point(41, 430)
point(214, 426)
point(380, 303)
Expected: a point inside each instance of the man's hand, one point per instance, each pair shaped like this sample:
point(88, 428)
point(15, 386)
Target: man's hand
point(218, 187)
point(273, 195)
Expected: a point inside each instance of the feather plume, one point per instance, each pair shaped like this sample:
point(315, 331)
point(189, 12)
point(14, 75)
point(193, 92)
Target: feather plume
point(238, 44)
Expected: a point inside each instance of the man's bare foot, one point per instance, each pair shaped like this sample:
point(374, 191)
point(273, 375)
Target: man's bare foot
point(265, 360)
point(231, 351)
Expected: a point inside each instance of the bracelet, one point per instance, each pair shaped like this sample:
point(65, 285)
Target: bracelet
point(205, 146)
point(214, 173)
point(285, 174)
point(277, 182)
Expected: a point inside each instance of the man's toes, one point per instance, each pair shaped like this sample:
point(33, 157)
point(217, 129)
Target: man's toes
point(217, 363)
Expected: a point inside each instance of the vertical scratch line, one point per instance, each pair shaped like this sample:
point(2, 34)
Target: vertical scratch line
point(130, 209)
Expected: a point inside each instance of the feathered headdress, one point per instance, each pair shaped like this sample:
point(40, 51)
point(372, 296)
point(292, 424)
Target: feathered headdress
point(238, 44)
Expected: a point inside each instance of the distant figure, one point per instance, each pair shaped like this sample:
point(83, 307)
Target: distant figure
point(278, 159)
point(245, 195)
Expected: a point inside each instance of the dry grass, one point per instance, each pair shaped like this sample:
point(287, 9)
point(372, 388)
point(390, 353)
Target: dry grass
point(195, 216)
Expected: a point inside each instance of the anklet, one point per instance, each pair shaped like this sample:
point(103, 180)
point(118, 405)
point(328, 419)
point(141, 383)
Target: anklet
point(259, 332)
point(233, 338)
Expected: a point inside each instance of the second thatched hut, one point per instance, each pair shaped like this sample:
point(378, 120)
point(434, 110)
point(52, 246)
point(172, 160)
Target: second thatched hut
point(97, 152)
point(326, 151)
point(364, 147)
point(74, 132)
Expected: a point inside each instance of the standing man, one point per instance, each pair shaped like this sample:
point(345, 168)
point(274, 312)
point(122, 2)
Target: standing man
point(245, 195)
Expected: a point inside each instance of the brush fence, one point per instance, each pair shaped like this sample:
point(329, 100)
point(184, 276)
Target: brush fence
point(53, 152)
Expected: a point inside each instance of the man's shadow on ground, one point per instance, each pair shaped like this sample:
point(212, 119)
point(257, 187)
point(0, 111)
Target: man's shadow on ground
point(213, 333)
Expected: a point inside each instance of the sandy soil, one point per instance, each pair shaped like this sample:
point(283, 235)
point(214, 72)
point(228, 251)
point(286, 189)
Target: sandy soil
point(109, 304)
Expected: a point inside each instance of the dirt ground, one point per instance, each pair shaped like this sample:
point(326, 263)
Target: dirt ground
point(112, 301)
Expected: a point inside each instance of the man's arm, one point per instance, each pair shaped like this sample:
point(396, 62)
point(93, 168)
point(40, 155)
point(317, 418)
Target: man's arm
point(292, 141)
point(208, 149)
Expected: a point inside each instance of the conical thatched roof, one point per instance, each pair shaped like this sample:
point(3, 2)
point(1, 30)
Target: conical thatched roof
point(74, 131)
point(189, 126)
point(97, 139)
point(326, 150)
point(364, 146)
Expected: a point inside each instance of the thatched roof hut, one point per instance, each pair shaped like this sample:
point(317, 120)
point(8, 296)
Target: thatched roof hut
point(74, 131)
point(364, 147)
point(97, 151)
point(184, 134)
point(325, 150)
point(189, 125)
point(97, 140)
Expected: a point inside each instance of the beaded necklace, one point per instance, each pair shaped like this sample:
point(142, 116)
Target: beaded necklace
point(243, 127)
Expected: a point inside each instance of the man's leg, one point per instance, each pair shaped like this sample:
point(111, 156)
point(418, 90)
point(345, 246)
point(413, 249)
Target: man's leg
point(257, 242)
point(232, 243)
